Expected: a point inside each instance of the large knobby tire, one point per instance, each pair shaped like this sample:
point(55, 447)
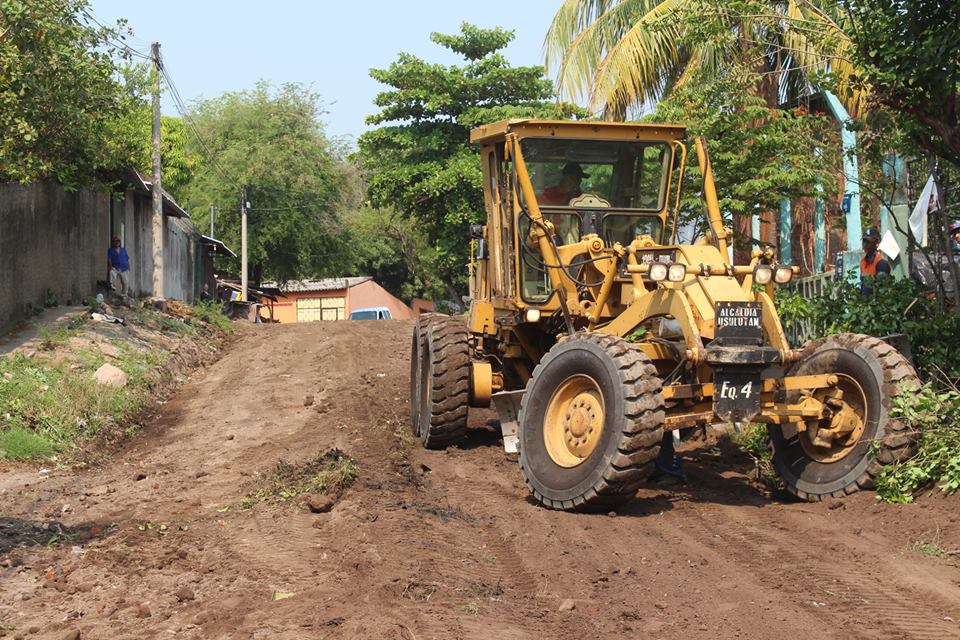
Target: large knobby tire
point(445, 381)
point(585, 383)
point(416, 382)
point(879, 372)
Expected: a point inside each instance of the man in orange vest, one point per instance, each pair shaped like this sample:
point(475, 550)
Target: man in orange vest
point(872, 264)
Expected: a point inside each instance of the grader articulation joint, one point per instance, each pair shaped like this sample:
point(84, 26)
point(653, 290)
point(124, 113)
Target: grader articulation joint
point(593, 331)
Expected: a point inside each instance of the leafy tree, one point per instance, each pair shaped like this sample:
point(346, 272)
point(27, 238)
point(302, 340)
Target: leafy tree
point(760, 155)
point(621, 54)
point(180, 157)
point(390, 247)
point(270, 144)
point(910, 56)
point(419, 160)
point(62, 108)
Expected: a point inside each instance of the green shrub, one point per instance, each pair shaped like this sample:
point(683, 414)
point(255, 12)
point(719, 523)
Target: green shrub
point(935, 414)
point(895, 306)
point(753, 440)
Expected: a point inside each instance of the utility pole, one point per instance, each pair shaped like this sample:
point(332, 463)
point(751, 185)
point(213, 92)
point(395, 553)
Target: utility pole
point(211, 222)
point(155, 187)
point(243, 246)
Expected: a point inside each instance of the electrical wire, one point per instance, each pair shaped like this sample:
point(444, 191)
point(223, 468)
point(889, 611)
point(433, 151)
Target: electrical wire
point(89, 15)
point(191, 123)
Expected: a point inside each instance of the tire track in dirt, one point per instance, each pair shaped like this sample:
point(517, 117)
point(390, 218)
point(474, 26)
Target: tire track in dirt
point(819, 575)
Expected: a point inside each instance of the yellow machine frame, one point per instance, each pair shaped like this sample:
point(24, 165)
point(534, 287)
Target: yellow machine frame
point(505, 328)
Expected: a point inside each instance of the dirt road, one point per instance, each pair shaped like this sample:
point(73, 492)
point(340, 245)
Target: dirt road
point(433, 544)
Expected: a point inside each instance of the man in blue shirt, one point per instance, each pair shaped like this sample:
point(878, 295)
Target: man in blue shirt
point(119, 264)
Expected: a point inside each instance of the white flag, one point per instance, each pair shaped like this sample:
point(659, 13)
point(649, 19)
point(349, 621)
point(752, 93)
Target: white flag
point(889, 246)
point(929, 201)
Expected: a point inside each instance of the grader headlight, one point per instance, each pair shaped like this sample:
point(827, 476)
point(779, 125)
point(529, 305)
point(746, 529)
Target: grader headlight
point(676, 272)
point(762, 274)
point(657, 272)
point(783, 275)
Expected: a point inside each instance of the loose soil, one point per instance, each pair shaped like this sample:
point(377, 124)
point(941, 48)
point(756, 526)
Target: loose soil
point(433, 544)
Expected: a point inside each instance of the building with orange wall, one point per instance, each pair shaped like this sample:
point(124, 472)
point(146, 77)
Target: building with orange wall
point(330, 299)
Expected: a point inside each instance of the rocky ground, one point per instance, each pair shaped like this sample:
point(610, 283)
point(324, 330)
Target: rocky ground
point(157, 542)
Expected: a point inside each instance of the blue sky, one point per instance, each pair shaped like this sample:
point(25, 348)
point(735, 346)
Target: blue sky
point(212, 46)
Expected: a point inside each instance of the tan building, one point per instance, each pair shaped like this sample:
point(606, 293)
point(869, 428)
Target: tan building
point(330, 299)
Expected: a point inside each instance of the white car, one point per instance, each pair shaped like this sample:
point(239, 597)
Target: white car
point(371, 313)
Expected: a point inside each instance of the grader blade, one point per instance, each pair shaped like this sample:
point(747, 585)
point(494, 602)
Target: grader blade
point(507, 404)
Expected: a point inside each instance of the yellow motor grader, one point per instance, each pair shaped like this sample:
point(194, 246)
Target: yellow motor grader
point(593, 331)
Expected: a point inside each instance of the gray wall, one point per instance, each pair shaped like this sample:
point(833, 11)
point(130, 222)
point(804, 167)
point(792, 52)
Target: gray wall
point(53, 238)
point(180, 247)
point(49, 238)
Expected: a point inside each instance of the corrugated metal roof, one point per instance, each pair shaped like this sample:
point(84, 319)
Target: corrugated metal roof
point(218, 245)
point(325, 284)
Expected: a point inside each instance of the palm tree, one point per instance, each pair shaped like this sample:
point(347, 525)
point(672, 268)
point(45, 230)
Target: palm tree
point(623, 55)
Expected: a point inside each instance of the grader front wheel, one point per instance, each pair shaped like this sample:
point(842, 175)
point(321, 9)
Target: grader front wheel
point(844, 451)
point(444, 381)
point(590, 423)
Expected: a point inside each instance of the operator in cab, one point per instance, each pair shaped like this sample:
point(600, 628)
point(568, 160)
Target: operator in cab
point(560, 195)
point(872, 264)
point(567, 189)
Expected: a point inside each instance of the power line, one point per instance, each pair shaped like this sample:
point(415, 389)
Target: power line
point(120, 45)
point(192, 125)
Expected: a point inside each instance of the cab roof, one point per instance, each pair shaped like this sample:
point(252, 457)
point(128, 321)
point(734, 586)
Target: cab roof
point(497, 131)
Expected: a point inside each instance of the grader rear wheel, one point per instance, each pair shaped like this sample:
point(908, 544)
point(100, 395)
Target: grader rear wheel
point(842, 453)
point(590, 423)
point(444, 381)
point(416, 359)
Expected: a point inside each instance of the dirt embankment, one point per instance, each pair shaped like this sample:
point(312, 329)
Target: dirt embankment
point(74, 384)
point(437, 544)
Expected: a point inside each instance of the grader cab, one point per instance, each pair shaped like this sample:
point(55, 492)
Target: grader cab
point(593, 332)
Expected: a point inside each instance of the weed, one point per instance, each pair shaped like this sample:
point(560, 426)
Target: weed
point(212, 313)
point(928, 548)
point(471, 609)
point(330, 472)
point(483, 590)
point(419, 591)
point(49, 339)
point(932, 547)
point(753, 440)
point(405, 439)
point(935, 414)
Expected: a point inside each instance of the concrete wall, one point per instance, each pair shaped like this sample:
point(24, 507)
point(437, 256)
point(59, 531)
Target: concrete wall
point(58, 239)
point(180, 249)
point(49, 238)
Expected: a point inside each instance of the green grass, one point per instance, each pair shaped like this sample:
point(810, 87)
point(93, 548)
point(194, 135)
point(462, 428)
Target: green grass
point(58, 404)
point(328, 472)
point(50, 403)
point(17, 443)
